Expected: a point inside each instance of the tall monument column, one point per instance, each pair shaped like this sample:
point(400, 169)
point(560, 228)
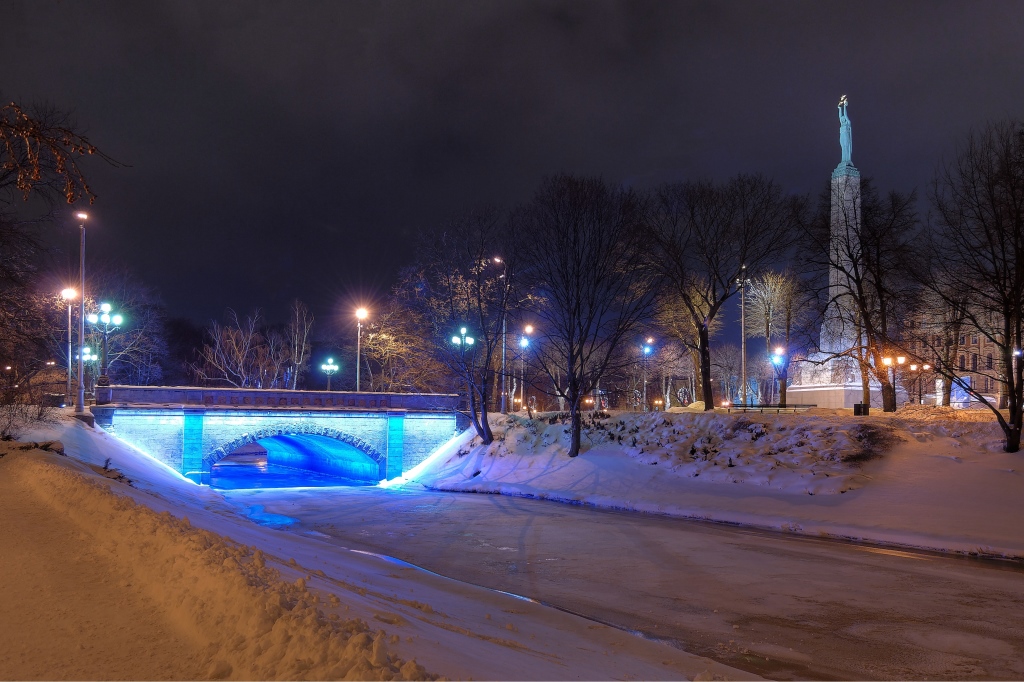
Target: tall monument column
point(839, 333)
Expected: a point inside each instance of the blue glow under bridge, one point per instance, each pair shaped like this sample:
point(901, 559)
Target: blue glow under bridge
point(364, 437)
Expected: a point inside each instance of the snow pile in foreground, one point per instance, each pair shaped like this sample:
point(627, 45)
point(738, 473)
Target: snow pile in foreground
point(919, 478)
point(251, 623)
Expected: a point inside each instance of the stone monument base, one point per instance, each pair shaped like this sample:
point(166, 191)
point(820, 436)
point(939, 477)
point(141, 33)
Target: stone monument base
point(831, 395)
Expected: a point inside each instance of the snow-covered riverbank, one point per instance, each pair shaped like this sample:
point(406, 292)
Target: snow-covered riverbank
point(935, 479)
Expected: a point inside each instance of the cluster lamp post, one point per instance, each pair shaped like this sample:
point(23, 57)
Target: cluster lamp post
point(106, 319)
point(888, 362)
point(918, 370)
point(329, 368)
point(462, 341)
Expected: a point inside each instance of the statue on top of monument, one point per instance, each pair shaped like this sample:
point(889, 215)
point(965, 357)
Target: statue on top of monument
point(845, 133)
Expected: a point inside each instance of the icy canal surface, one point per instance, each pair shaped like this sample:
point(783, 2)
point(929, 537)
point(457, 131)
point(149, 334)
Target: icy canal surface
point(776, 605)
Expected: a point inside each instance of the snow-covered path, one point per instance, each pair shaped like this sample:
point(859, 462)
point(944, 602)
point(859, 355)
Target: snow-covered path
point(778, 605)
point(58, 594)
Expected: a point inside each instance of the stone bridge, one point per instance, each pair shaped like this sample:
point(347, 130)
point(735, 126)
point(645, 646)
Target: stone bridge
point(375, 436)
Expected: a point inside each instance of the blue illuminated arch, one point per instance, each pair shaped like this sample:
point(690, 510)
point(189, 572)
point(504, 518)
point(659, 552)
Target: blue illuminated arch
point(297, 429)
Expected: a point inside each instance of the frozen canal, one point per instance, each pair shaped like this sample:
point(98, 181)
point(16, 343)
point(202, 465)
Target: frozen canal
point(780, 606)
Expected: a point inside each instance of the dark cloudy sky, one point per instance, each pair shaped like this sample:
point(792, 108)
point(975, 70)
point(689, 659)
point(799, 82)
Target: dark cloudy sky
point(283, 149)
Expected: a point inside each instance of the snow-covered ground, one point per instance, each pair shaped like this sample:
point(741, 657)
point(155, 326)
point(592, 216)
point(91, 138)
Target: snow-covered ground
point(925, 477)
point(135, 573)
point(162, 579)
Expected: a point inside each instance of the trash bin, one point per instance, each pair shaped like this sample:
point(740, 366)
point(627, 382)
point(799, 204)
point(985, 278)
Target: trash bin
point(858, 410)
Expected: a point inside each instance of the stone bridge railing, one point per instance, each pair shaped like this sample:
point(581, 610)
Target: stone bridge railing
point(270, 398)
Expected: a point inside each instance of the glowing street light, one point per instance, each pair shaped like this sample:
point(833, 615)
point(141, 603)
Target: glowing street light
point(463, 341)
point(361, 314)
point(69, 295)
point(80, 402)
point(329, 368)
point(110, 323)
point(647, 348)
point(524, 343)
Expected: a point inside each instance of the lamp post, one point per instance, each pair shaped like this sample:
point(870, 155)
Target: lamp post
point(524, 342)
point(329, 368)
point(778, 358)
point(69, 295)
point(742, 282)
point(504, 321)
point(888, 362)
point(80, 402)
point(462, 341)
point(647, 349)
point(106, 319)
point(85, 356)
point(361, 315)
point(919, 371)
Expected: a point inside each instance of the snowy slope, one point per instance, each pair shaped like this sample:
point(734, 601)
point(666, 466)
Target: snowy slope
point(935, 479)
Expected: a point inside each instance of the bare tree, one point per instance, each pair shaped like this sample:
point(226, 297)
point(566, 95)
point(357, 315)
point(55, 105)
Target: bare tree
point(977, 253)
point(591, 285)
point(707, 236)
point(466, 280)
point(244, 354)
point(404, 359)
point(300, 324)
point(775, 301)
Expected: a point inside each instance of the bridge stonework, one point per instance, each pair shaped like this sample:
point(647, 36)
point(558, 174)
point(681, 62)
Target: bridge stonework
point(191, 439)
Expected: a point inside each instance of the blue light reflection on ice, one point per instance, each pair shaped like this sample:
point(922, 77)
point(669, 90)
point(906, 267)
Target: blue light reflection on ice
point(295, 462)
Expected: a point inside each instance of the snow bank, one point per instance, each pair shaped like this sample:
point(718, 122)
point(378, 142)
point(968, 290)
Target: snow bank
point(251, 623)
point(927, 478)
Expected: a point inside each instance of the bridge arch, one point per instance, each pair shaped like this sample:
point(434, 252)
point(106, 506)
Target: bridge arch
point(297, 429)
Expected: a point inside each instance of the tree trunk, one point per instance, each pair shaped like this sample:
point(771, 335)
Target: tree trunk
point(576, 428)
point(1012, 439)
point(888, 396)
point(703, 342)
point(783, 378)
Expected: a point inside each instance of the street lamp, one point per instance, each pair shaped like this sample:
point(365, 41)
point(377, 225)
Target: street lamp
point(742, 282)
point(69, 295)
point(919, 371)
point(329, 368)
point(86, 355)
point(110, 323)
point(82, 217)
point(778, 358)
point(648, 348)
point(361, 315)
point(524, 342)
point(462, 341)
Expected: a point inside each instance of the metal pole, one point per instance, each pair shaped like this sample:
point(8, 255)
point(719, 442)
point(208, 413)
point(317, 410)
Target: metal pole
point(67, 395)
point(80, 403)
point(645, 380)
point(522, 379)
point(359, 342)
point(743, 333)
point(504, 392)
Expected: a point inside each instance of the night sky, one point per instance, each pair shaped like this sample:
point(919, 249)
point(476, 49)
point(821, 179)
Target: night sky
point(283, 149)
